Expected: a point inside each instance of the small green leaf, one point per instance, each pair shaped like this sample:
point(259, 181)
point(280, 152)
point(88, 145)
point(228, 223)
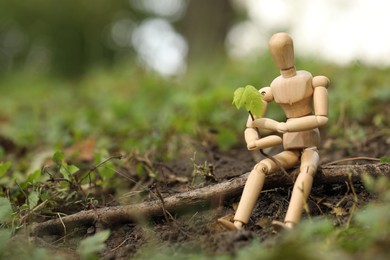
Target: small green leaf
point(68, 170)
point(250, 98)
point(256, 107)
point(5, 209)
point(4, 166)
point(33, 177)
point(33, 199)
point(71, 168)
point(91, 246)
point(58, 157)
point(238, 99)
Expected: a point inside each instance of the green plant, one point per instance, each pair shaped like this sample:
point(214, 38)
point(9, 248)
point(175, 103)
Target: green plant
point(9, 246)
point(4, 166)
point(5, 211)
point(67, 171)
point(250, 98)
point(205, 170)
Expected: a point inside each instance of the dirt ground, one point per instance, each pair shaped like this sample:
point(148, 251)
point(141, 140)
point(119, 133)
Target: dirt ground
point(197, 231)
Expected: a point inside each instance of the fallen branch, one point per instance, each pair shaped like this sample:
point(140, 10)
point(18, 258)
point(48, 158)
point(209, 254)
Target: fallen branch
point(198, 199)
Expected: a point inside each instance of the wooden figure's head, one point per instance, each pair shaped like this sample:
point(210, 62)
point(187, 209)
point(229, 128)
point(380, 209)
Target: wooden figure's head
point(282, 50)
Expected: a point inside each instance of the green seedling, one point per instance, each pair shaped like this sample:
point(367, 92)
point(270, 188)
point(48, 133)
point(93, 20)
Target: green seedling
point(249, 97)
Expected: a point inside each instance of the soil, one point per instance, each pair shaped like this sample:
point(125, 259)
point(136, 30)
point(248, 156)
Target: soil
point(196, 230)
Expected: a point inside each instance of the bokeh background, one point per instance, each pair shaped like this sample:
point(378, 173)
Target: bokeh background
point(143, 71)
point(70, 37)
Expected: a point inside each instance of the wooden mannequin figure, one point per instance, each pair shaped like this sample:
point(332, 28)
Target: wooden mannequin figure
point(304, 100)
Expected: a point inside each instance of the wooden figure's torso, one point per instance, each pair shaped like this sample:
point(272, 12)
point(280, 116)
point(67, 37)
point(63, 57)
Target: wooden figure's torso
point(295, 96)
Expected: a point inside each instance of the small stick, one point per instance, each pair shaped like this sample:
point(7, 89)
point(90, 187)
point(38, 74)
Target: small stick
point(353, 159)
point(162, 203)
point(119, 156)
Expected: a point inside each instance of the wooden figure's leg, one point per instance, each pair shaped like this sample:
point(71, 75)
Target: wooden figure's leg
point(254, 185)
point(302, 186)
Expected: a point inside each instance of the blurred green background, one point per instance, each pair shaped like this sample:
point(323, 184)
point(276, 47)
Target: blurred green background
point(137, 74)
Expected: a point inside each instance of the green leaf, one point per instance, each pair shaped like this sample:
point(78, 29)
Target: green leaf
point(72, 169)
point(33, 199)
point(256, 107)
point(91, 246)
point(5, 209)
point(33, 177)
point(58, 157)
point(4, 166)
point(250, 98)
point(238, 97)
point(68, 170)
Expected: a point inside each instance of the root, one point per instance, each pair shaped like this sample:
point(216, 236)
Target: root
point(203, 198)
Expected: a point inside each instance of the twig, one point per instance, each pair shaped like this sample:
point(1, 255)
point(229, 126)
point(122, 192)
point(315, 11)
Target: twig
point(119, 156)
point(166, 213)
point(62, 222)
point(355, 200)
point(60, 179)
point(123, 175)
point(63, 238)
point(53, 179)
point(162, 203)
point(36, 208)
point(121, 244)
point(353, 159)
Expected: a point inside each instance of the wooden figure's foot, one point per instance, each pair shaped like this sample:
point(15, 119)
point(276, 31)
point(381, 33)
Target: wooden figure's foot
point(280, 226)
point(229, 225)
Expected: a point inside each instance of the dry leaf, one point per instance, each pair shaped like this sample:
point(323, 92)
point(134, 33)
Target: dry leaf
point(339, 211)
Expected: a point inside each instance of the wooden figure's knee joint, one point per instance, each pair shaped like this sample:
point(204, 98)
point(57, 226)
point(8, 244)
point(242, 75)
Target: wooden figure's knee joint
point(265, 167)
point(261, 168)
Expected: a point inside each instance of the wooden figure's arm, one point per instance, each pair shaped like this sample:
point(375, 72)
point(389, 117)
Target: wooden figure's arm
point(302, 124)
point(252, 137)
point(320, 96)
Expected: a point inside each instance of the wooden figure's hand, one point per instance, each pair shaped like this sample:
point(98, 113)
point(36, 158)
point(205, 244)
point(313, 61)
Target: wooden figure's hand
point(265, 142)
point(281, 127)
point(251, 145)
point(265, 123)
